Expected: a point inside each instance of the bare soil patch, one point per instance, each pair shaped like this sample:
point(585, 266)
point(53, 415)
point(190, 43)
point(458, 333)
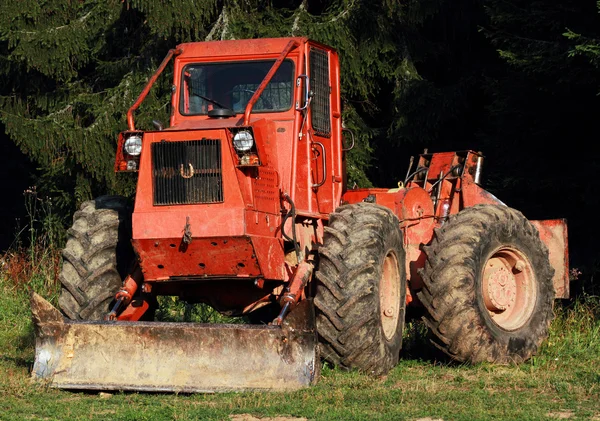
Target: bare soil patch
point(248, 417)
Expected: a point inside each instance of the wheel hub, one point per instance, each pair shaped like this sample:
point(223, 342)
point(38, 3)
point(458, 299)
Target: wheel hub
point(389, 295)
point(501, 288)
point(509, 288)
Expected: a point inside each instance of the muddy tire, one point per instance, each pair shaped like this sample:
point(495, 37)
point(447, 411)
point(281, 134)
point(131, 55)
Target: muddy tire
point(360, 295)
point(96, 258)
point(488, 287)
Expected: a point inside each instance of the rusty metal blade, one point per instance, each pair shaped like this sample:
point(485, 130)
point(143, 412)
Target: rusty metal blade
point(174, 357)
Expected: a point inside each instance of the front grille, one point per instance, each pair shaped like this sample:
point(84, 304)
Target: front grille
point(187, 172)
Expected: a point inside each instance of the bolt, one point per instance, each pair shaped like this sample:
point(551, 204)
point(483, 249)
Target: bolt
point(519, 266)
point(389, 312)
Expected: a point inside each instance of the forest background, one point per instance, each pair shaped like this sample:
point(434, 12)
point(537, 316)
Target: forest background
point(517, 80)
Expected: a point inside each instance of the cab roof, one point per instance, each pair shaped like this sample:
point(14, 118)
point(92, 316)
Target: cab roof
point(242, 47)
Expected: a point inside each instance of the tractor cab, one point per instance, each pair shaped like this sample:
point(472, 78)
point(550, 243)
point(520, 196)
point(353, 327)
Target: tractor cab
point(252, 157)
point(276, 105)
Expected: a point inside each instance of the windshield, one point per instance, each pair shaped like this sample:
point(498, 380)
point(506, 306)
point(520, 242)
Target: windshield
point(231, 85)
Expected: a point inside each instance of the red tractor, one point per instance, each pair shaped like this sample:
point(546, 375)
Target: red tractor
point(242, 204)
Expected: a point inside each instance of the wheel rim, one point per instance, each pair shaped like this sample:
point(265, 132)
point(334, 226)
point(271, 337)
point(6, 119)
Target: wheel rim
point(389, 295)
point(509, 288)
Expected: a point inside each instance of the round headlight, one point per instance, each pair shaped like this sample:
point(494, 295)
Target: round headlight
point(243, 141)
point(133, 145)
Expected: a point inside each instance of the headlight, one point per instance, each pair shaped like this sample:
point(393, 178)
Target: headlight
point(243, 141)
point(133, 145)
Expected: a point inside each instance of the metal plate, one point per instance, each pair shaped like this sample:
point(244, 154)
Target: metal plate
point(174, 357)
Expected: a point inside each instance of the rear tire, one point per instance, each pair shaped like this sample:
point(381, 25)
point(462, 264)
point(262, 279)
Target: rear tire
point(488, 287)
point(361, 289)
point(96, 258)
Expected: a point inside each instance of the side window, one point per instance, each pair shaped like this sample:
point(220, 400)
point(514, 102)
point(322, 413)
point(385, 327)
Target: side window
point(276, 96)
point(319, 84)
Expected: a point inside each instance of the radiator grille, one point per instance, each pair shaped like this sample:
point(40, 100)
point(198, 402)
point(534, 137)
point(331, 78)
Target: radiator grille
point(187, 172)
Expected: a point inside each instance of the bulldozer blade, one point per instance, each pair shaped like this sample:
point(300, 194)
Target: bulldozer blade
point(174, 357)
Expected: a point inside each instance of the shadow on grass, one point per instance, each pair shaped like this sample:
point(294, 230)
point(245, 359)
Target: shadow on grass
point(23, 362)
point(416, 343)
point(416, 340)
point(24, 345)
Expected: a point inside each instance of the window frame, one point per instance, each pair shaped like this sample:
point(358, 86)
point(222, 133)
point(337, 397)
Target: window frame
point(272, 61)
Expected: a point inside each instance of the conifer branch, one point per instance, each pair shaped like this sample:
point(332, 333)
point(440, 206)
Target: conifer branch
point(295, 26)
point(21, 116)
point(343, 13)
point(57, 28)
point(522, 38)
point(216, 26)
point(221, 26)
point(225, 25)
point(61, 111)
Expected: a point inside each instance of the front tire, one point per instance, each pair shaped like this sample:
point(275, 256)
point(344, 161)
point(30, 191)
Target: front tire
point(96, 257)
point(488, 287)
point(361, 289)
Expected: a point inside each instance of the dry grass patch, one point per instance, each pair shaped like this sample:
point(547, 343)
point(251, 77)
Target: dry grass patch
point(248, 417)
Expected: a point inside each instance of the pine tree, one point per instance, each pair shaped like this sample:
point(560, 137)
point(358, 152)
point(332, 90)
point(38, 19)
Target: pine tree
point(70, 70)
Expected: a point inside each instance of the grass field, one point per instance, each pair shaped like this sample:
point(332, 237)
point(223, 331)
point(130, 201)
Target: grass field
point(562, 382)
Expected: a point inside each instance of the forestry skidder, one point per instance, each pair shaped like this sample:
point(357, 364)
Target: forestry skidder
point(242, 204)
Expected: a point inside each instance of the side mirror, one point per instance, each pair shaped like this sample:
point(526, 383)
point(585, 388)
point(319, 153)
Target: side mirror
point(157, 125)
point(305, 92)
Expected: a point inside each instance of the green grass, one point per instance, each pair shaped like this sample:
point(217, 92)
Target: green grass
point(563, 380)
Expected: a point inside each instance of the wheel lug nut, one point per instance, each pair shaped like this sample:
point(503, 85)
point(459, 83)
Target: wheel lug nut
point(519, 266)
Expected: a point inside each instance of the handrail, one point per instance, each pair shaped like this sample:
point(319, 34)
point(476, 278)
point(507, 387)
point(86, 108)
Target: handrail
point(142, 96)
point(267, 79)
point(352, 135)
point(324, 165)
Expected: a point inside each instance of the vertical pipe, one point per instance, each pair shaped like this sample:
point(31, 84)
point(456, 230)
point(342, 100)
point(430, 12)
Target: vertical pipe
point(142, 96)
point(267, 79)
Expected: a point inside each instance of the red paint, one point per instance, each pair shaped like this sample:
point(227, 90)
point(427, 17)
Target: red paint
point(238, 257)
point(134, 312)
point(420, 210)
point(129, 288)
point(553, 233)
point(292, 44)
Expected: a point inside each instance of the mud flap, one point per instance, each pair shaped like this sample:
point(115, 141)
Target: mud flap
point(174, 357)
